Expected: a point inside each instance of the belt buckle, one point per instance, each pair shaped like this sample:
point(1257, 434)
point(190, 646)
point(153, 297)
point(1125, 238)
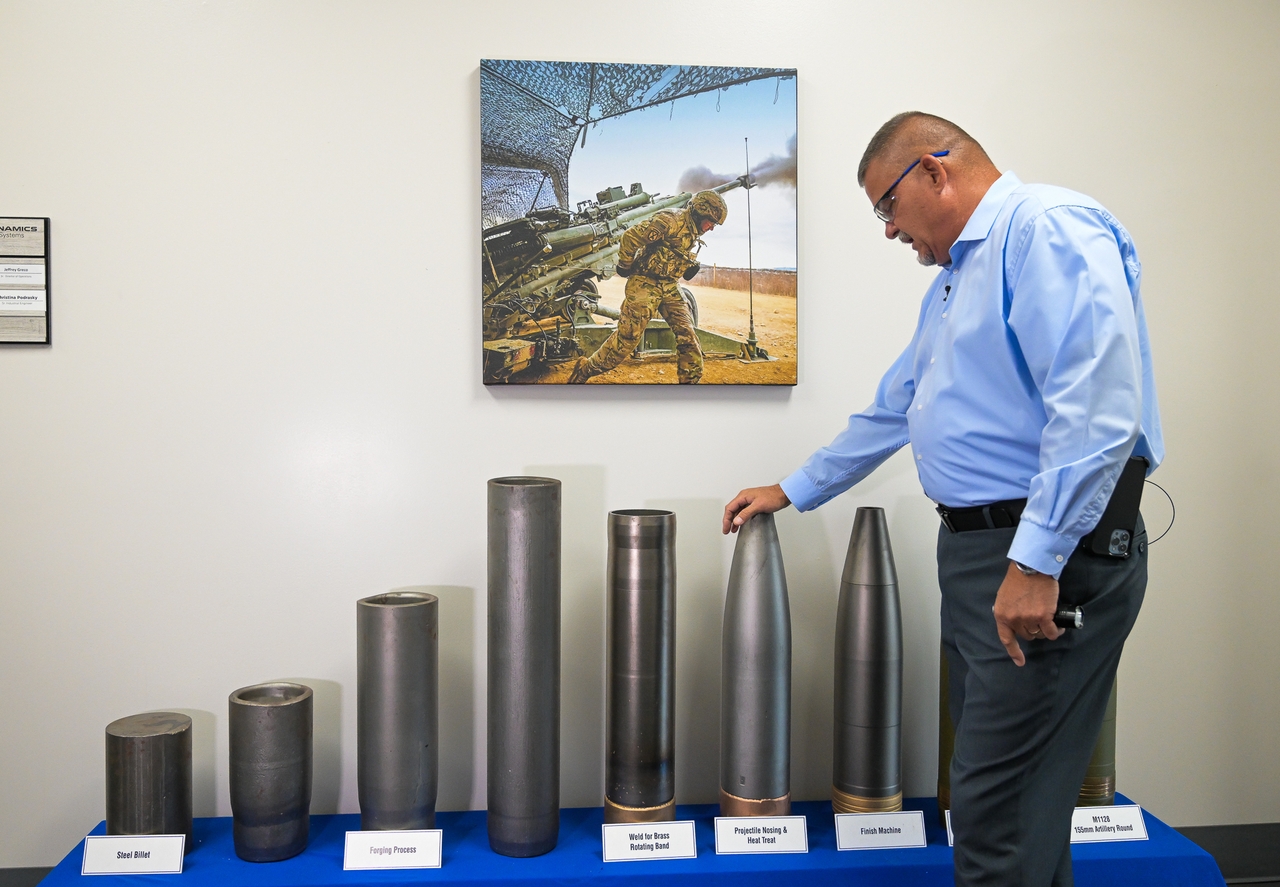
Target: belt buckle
point(945, 514)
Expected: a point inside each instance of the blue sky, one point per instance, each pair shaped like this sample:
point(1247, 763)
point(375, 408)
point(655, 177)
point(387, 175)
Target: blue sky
point(655, 146)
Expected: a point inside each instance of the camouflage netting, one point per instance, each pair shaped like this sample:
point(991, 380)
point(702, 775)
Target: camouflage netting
point(532, 113)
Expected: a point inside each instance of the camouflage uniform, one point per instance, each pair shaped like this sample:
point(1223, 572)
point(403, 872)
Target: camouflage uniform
point(659, 250)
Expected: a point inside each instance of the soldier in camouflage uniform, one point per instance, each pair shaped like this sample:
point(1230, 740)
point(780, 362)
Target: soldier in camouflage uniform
point(652, 256)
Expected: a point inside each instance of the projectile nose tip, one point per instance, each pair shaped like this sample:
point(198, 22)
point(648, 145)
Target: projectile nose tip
point(870, 557)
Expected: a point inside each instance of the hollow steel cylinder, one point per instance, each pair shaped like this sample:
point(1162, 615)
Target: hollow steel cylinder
point(149, 775)
point(868, 681)
point(524, 665)
point(755, 678)
point(397, 709)
point(1099, 787)
point(640, 783)
point(270, 738)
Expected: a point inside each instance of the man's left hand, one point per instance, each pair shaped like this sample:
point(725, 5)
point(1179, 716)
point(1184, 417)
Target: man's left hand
point(1024, 609)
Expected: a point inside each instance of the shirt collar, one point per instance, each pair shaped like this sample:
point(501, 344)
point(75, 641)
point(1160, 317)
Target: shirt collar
point(984, 214)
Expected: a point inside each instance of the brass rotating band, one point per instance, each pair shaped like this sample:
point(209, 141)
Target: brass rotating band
point(1097, 790)
point(732, 805)
point(618, 813)
point(843, 803)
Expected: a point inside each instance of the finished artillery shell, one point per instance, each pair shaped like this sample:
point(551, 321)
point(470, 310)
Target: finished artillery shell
point(397, 710)
point(640, 682)
point(149, 775)
point(270, 732)
point(1099, 787)
point(524, 665)
point(755, 678)
point(868, 685)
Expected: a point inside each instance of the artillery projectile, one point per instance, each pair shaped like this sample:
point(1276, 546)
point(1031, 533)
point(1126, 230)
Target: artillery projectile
point(524, 665)
point(640, 685)
point(868, 686)
point(755, 678)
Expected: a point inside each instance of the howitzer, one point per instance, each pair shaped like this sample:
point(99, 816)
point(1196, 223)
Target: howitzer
point(539, 272)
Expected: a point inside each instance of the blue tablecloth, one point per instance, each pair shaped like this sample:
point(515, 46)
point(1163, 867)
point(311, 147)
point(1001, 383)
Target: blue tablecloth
point(1166, 859)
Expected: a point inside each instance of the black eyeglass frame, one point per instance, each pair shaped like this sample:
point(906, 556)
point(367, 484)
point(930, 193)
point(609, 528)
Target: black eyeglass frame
point(883, 208)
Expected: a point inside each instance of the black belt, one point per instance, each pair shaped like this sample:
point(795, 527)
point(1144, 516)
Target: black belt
point(996, 516)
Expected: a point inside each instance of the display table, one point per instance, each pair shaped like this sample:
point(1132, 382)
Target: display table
point(1166, 859)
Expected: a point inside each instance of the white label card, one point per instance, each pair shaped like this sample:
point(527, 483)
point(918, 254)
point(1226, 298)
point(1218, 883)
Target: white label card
point(409, 849)
point(133, 855)
point(762, 834)
point(1122, 823)
point(629, 841)
point(880, 831)
point(20, 274)
point(1092, 824)
point(23, 300)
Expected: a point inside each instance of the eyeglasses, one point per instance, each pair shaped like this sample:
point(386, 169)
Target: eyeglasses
point(884, 206)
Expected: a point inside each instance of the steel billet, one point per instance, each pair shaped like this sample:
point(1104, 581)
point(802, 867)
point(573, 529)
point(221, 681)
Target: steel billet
point(149, 775)
point(397, 710)
point(270, 732)
point(755, 678)
point(868, 685)
point(524, 665)
point(640, 682)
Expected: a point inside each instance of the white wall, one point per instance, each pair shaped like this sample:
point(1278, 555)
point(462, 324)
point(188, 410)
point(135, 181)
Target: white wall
point(263, 399)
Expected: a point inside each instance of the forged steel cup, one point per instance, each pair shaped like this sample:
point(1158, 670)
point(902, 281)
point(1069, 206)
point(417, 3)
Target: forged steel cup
point(867, 762)
point(270, 733)
point(640, 681)
point(524, 665)
point(397, 709)
point(149, 775)
point(755, 678)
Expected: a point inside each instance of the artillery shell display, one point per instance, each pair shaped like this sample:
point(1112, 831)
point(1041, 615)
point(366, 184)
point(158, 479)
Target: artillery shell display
point(524, 665)
point(868, 680)
point(1099, 787)
point(271, 757)
point(640, 680)
point(755, 678)
point(149, 775)
point(397, 751)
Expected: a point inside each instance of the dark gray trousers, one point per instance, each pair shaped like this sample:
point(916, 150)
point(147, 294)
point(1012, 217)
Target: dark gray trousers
point(1024, 735)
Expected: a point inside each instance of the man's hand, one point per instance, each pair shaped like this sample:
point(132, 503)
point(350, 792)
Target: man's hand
point(1024, 609)
point(756, 500)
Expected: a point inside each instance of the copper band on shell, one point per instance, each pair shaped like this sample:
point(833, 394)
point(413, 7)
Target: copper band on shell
point(732, 805)
point(845, 803)
point(1097, 791)
point(619, 813)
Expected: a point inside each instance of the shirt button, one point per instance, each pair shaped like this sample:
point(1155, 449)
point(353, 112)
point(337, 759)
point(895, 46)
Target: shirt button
point(944, 314)
point(932, 359)
point(1058, 558)
point(919, 406)
point(919, 458)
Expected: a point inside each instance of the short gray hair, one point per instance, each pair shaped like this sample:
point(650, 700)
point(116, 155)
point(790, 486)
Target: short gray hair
point(928, 133)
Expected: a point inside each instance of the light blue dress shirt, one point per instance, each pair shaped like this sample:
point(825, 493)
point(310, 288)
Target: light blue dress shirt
point(1029, 375)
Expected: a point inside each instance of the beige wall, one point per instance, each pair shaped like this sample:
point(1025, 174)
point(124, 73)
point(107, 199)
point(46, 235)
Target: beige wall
point(263, 397)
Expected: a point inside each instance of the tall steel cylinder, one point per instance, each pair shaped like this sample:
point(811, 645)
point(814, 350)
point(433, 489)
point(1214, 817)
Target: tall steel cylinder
point(524, 665)
point(640, 782)
point(397, 709)
point(149, 775)
point(755, 678)
point(271, 757)
point(868, 681)
point(1099, 787)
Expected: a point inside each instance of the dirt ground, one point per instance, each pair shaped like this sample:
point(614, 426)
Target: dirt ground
point(721, 311)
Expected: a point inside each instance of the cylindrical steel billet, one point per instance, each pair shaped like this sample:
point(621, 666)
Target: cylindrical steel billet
point(397, 709)
point(1099, 787)
point(755, 678)
point(524, 665)
point(640, 784)
point(270, 732)
point(946, 736)
point(149, 775)
point(868, 692)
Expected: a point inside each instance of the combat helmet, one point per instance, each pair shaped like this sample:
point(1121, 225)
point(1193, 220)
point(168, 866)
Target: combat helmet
point(709, 205)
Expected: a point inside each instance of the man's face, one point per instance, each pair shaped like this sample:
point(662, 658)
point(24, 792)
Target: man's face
point(913, 207)
point(705, 225)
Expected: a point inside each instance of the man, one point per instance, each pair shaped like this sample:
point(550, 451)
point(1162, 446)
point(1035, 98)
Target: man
point(1024, 391)
point(652, 255)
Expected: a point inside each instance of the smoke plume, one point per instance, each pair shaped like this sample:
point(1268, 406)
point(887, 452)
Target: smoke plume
point(773, 170)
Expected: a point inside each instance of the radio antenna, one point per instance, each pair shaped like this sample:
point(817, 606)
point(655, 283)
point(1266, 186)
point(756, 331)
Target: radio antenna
point(751, 294)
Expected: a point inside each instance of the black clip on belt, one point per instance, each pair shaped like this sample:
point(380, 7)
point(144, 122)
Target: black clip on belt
point(996, 516)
